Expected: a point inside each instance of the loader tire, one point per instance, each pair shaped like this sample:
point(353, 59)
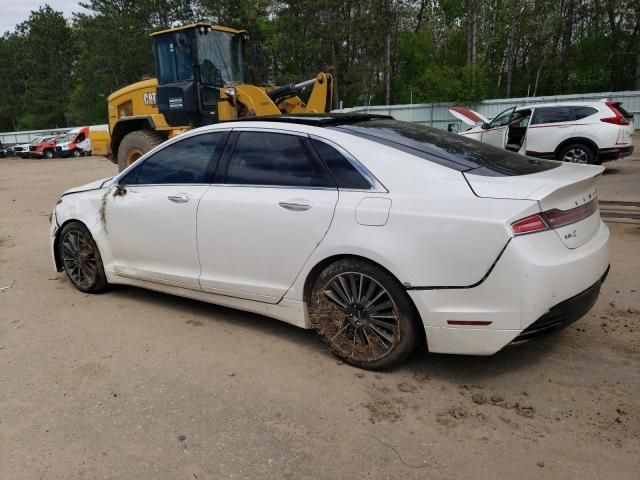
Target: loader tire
point(136, 144)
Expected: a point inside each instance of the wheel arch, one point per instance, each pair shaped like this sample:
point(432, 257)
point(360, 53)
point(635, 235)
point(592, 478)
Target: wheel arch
point(586, 141)
point(125, 126)
point(315, 271)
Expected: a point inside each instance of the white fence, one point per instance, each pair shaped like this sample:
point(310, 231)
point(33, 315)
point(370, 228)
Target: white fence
point(437, 114)
point(11, 138)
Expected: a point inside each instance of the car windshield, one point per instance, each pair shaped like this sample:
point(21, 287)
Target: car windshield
point(448, 149)
point(38, 140)
point(67, 138)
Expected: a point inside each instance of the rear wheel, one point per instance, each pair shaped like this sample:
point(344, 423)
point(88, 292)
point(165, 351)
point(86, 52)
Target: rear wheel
point(363, 314)
point(81, 258)
point(136, 144)
point(577, 153)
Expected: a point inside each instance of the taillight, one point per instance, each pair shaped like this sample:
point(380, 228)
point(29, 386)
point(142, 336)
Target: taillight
point(534, 223)
point(618, 119)
point(553, 219)
point(560, 218)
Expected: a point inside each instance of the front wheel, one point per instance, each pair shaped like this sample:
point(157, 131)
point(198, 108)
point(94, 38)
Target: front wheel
point(48, 154)
point(577, 153)
point(363, 314)
point(81, 259)
point(76, 153)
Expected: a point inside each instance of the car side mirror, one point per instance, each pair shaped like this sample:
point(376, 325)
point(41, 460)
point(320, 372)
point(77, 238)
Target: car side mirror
point(484, 126)
point(453, 127)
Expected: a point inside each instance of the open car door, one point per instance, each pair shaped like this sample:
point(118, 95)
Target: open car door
point(498, 129)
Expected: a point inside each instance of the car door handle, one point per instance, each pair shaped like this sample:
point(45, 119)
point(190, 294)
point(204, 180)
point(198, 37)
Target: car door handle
point(295, 206)
point(180, 198)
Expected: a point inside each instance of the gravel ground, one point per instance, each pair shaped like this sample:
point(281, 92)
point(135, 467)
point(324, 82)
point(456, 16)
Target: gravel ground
point(136, 384)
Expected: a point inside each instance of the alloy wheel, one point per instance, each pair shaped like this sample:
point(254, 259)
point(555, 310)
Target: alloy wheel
point(576, 155)
point(358, 317)
point(79, 258)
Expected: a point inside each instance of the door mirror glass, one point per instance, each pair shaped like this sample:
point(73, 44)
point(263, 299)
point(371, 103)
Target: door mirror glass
point(453, 127)
point(485, 126)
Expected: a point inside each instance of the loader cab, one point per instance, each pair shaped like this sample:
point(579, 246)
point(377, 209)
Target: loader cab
point(192, 63)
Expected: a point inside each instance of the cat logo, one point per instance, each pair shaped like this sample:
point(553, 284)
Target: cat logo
point(149, 98)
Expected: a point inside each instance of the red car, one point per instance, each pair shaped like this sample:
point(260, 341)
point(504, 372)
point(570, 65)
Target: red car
point(45, 148)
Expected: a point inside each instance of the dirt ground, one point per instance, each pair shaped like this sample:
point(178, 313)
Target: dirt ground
point(133, 384)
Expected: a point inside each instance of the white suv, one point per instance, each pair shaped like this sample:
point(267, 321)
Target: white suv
point(576, 132)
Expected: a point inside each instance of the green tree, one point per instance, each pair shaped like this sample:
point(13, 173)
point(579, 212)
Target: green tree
point(48, 55)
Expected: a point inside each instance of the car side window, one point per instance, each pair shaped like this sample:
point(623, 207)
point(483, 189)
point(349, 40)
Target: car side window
point(184, 161)
point(501, 119)
point(552, 115)
point(275, 159)
point(582, 112)
point(342, 170)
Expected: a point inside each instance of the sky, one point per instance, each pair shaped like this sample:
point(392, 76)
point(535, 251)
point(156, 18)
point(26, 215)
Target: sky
point(13, 12)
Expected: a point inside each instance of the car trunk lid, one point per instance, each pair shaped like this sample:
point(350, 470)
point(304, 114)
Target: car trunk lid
point(567, 195)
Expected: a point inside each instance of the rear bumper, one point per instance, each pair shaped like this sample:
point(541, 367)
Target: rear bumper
point(605, 154)
point(534, 274)
point(563, 314)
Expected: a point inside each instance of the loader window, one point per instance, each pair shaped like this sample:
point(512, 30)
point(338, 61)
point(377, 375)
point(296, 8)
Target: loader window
point(173, 58)
point(221, 58)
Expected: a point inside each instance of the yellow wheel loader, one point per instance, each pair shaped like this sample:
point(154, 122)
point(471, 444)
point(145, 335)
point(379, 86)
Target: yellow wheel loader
point(200, 80)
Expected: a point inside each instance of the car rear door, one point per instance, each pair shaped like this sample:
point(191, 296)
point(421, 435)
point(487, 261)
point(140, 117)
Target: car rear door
point(549, 127)
point(151, 218)
point(269, 209)
point(496, 134)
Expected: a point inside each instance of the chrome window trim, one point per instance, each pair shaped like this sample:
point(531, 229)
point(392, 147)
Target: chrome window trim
point(291, 187)
point(376, 185)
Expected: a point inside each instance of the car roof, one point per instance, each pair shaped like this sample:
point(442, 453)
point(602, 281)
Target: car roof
point(561, 104)
point(315, 119)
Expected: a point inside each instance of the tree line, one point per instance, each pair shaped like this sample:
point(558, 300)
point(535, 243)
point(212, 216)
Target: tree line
point(57, 72)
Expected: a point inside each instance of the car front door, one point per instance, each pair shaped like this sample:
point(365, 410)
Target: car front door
point(272, 206)
point(496, 132)
point(150, 218)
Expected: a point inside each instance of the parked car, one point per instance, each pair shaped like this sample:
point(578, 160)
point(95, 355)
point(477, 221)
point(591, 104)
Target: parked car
point(75, 143)
point(45, 148)
point(375, 232)
point(22, 150)
point(578, 132)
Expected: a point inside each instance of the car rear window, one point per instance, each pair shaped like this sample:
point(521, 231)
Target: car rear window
point(447, 149)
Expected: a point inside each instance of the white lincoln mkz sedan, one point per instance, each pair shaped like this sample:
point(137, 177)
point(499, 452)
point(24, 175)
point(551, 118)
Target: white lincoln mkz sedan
point(382, 235)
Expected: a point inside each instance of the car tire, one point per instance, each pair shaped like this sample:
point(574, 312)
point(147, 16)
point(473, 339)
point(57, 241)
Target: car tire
point(578, 153)
point(48, 154)
point(351, 330)
point(136, 144)
point(76, 153)
point(81, 258)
